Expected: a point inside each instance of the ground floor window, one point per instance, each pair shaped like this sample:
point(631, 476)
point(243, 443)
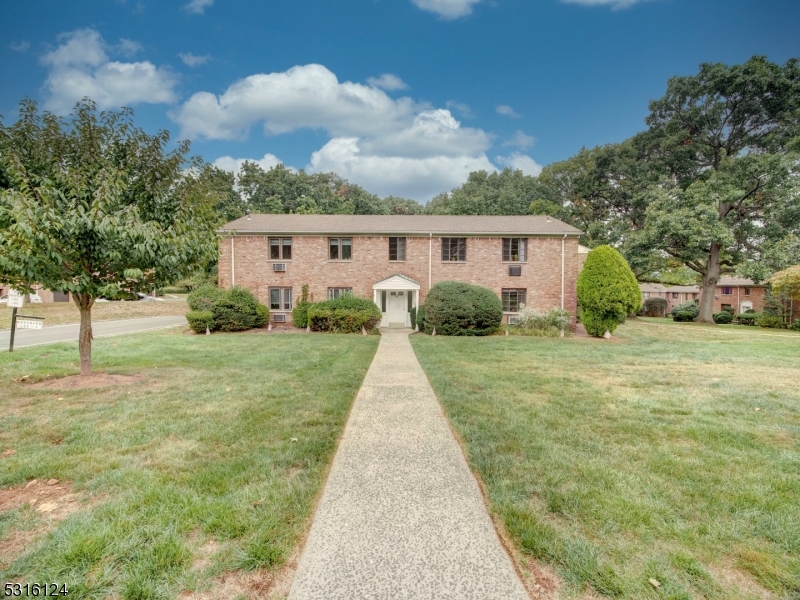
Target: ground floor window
point(512, 299)
point(280, 298)
point(334, 293)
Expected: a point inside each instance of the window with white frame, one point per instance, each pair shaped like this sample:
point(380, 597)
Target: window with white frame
point(334, 293)
point(280, 248)
point(515, 249)
point(280, 299)
point(340, 248)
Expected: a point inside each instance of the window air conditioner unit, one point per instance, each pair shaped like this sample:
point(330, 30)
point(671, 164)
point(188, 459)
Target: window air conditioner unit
point(279, 267)
point(279, 318)
point(513, 320)
point(515, 270)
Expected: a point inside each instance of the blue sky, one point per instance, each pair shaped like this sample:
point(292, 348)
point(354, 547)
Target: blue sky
point(403, 97)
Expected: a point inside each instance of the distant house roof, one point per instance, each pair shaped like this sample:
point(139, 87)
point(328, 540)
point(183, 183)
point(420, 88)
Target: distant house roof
point(734, 281)
point(583, 249)
point(400, 224)
point(692, 289)
point(652, 287)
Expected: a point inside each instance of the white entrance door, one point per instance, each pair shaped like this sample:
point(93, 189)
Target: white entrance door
point(397, 307)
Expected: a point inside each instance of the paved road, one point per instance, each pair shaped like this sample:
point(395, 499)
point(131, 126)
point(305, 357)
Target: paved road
point(66, 333)
point(401, 516)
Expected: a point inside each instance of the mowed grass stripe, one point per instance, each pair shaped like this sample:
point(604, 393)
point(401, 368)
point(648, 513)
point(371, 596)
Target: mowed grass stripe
point(196, 455)
point(673, 454)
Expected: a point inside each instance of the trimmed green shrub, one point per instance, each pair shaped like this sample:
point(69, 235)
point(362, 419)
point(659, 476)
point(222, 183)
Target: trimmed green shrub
point(173, 289)
point(237, 310)
point(723, 318)
point(300, 311)
point(684, 316)
point(796, 325)
point(262, 315)
point(413, 315)
point(200, 320)
point(607, 291)
point(748, 318)
point(421, 317)
point(690, 307)
point(456, 308)
point(345, 314)
point(770, 321)
point(204, 297)
point(655, 307)
point(728, 309)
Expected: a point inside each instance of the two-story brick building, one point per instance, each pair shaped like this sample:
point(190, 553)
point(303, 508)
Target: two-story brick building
point(732, 293)
point(395, 259)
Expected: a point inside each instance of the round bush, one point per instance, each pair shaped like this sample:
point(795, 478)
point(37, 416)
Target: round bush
point(237, 310)
point(204, 297)
point(345, 314)
point(456, 308)
point(723, 318)
point(200, 320)
point(689, 311)
point(607, 291)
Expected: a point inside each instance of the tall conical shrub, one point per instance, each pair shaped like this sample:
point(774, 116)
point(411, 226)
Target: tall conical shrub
point(607, 291)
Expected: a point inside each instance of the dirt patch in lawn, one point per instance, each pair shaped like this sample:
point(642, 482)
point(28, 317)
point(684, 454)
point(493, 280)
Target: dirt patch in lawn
point(49, 501)
point(82, 382)
point(733, 578)
point(253, 585)
point(545, 583)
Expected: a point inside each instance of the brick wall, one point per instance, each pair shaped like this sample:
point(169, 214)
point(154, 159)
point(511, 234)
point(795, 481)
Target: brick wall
point(541, 274)
point(757, 297)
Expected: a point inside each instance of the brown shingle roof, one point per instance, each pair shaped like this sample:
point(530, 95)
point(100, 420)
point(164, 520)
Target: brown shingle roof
point(652, 287)
point(400, 224)
point(732, 281)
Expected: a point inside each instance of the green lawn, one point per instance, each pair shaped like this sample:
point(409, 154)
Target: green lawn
point(673, 454)
point(187, 478)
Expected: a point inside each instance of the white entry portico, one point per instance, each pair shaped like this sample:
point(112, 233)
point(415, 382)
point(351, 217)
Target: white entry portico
point(396, 296)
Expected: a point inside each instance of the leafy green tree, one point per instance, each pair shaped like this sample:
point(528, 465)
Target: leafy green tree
point(607, 291)
point(228, 202)
point(787, 283)
point(93, 205)
point(508, 192)
point(721, 139)
point(401, 206)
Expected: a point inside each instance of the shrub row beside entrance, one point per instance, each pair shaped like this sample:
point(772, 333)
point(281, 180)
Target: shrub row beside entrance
point(235, 309)
point(345, 314)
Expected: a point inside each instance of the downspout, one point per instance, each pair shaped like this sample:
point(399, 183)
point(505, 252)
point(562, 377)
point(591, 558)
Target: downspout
point(563, 241)
point(233, 263)
point(430, 259)
point(738, 299)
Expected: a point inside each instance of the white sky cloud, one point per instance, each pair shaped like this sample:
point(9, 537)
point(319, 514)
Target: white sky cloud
point(521, 140)
point(447, 9)
point(81, 67)
point(193, 60)
point(506, 111)
point(198, 7)
point(388, 82)
point(461, 108)
point(520, 161)
point(128, 48)
point(22, 46)
point(389, 146)
point(228, 163)
point(615, 4)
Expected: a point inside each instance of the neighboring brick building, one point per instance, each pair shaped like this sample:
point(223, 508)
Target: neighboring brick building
point(45, 295)
point(736, 293)
point(395, 259)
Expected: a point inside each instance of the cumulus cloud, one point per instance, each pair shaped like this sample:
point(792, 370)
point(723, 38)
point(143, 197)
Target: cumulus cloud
point(80, 67)
point(615, 4)
point(520, 140)
point(22, 46)
point(197, 7)
point(420, 178)
point(506, 111)
point(128, 48)
point(461, 108)
point(522, 162)
point(447, 9)
point(228, 163)
point(388, 82)
point(193, 60)
point(389, 146)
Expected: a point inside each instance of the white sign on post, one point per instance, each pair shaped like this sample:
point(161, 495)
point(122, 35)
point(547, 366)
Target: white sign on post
point(29, 323)
point(15, 299)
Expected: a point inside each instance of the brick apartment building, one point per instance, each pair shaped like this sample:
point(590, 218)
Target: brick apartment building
point(395, 259)
point(732, 292)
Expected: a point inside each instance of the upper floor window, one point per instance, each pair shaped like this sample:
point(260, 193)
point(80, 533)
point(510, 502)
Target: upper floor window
point(512, 299)
point(454, 249)
point(334, 293)
point(514, 249)
point(340, 248)
point(280, 298)
point(397, 248)
point(676, 294)
point(727, 291)
point(747, 291)
point(645, 295)
point(280, 248)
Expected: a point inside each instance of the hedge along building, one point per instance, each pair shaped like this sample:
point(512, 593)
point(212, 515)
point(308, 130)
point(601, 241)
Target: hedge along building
point(395, 259)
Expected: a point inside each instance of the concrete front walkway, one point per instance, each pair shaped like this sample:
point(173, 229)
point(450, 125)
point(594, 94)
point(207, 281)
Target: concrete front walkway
point(401, 515)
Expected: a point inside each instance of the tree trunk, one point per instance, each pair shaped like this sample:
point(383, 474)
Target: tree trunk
point(709, 286)
point(85, 303)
